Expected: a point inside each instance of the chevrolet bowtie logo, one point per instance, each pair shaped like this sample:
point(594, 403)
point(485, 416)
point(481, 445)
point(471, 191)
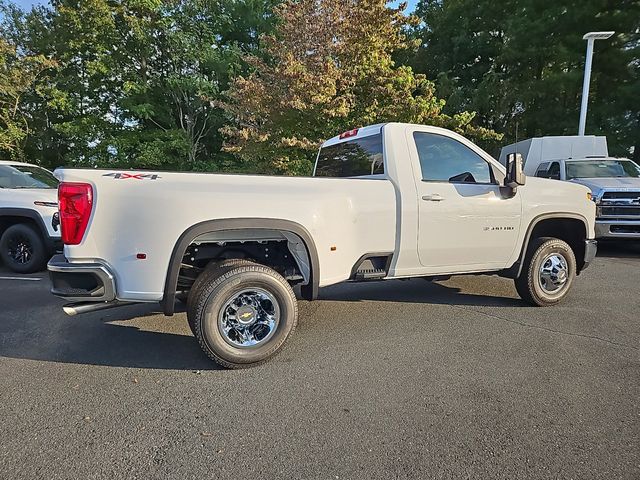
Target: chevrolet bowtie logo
point(246, 315)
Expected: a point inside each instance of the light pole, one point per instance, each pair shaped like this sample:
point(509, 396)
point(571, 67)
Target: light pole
point(590, 37)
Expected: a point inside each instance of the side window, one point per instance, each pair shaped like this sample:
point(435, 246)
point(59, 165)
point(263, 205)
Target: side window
point(542, 170)
point(554, 171)
point(444, 159)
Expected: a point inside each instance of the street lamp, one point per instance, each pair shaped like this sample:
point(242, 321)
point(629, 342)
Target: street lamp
point(590, 38)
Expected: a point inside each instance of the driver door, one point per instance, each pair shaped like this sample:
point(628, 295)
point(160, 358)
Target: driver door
point(465, 223)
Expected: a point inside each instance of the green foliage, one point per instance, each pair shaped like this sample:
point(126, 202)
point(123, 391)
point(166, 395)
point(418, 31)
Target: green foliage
point(136, 81)
point(18, 74)
point(255, 85)
point(328, 68)
point(519, 64)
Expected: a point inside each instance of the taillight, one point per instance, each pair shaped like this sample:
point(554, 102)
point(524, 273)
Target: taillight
point(348, 133)
point(74, 201)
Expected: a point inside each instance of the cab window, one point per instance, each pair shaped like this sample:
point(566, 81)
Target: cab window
point(542, 170)
point(554, 171)
point(354, 158)
point(549, 170)
point(443, 159)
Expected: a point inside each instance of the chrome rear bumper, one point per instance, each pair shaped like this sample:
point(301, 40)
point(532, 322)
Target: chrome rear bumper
point(81, 282)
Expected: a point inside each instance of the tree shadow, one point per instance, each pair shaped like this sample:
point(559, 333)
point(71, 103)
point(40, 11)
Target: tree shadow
point(93, 339)
point(422, 291)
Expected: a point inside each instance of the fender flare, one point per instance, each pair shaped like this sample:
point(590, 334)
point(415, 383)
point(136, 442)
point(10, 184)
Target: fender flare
point(32, 215)
point(515, 270)
point(309, 292)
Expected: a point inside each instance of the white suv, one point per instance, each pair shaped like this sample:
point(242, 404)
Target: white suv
point(29, 225)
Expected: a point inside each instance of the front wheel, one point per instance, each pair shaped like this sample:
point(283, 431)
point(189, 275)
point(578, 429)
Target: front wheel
point(548, 272)
point(22, 249)
point(244, 316)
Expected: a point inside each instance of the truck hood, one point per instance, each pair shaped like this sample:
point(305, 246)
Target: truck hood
point(37, 194)
point(613, 183)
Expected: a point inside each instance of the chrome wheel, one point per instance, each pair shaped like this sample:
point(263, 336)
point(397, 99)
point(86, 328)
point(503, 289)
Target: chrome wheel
point(20, 249)
point(249, 318)
point(554, 273)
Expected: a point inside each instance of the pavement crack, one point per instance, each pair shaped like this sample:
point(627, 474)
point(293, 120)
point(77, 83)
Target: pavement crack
point(550, 330)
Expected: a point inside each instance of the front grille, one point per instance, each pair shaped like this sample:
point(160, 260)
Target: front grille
point(620, 205)
point(621, 195)
point(620, 211)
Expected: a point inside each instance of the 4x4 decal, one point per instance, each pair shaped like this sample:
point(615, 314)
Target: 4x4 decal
point(136, 176)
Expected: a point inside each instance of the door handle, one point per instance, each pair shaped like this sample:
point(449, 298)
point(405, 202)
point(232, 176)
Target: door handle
point(436, 197)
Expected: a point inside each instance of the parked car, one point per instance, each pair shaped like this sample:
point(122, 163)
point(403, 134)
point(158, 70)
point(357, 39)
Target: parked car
point(29, 232)
point(614, 182)
point(386, 201)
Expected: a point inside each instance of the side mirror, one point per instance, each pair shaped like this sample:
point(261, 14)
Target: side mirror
point(515, 174)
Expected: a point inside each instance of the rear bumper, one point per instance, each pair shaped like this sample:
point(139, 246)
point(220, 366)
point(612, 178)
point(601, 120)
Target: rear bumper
point(590, 250)
point(81, 282)
point(618, 229)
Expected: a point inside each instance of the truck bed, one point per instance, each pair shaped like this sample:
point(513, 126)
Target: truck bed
point(147, 212)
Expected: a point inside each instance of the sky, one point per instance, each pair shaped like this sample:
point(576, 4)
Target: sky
point(28, 3)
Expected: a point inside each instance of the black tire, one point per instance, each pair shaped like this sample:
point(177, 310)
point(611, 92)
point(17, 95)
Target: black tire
point(531, 285)
point(212, 271)
point(22, 249)
point(227, 293)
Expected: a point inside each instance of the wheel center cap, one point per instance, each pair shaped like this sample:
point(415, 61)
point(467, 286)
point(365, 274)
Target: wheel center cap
point(562, 275)
point(246, 315)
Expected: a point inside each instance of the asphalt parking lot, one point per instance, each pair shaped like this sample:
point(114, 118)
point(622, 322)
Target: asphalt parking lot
point(401, 379)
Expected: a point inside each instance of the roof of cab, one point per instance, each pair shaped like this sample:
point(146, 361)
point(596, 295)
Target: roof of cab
point(355, 133)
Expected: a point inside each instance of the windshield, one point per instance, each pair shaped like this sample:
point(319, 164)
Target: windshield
point(26, 176)
point(354, 158)
point(601, 169)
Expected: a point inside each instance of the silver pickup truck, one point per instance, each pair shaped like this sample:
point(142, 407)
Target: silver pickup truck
point(614, 182)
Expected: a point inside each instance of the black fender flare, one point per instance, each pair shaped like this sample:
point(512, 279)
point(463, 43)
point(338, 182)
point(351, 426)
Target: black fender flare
point(309, 291)
point(515, 270)
point(32, 215)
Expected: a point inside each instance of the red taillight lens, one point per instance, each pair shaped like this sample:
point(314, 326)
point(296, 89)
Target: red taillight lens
point(348, 133)
point(74, 201)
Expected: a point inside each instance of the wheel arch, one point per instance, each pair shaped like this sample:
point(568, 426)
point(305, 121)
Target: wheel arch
point(570, 227)
point(309, 291)
point(12, 216)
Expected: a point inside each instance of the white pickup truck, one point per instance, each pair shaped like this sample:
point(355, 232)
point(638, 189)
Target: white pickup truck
point(29, 232)
point(386, 201)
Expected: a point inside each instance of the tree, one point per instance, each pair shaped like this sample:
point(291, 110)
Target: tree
point(327, 68)
point(18, 74)
point(136, 79)
point(519, 64)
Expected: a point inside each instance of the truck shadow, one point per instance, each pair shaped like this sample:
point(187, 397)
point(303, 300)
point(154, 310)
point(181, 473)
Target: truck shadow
point(150, 341)
point(458, 291)
point(619, 249)
point(139, 336)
